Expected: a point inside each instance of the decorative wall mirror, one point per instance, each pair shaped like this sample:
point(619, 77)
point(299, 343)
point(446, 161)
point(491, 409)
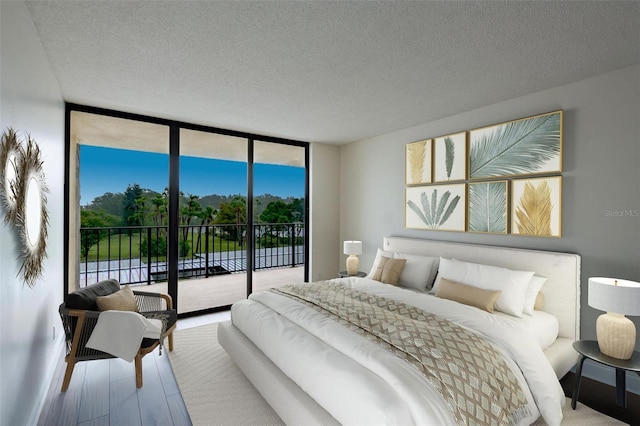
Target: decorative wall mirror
point(33, 217)
point(10, 156)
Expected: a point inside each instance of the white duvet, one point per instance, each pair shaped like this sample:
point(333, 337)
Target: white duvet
point(360, 383)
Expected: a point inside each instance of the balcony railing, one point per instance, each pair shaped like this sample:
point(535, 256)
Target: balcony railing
point(137, 254)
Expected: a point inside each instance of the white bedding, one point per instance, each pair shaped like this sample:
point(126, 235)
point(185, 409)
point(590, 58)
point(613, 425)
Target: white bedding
point(359, 382)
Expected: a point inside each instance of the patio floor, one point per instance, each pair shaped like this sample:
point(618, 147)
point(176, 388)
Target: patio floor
point(221, 290)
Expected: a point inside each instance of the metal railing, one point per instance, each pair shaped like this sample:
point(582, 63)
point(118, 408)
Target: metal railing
point(138, 254)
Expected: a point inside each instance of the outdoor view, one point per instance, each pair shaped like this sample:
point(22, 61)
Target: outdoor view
point(124, 216)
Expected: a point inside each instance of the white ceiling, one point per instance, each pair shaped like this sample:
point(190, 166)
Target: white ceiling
point(326, 71)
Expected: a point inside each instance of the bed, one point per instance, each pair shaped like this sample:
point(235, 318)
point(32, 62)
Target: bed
point(315, 370)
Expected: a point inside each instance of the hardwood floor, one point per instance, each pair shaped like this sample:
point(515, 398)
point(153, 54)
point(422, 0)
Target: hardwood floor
point(602, 397)
point(103, 392)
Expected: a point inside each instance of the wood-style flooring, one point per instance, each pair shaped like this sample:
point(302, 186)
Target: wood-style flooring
point(103, 392)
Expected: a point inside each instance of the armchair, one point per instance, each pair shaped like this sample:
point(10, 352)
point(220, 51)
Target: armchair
point(80, 315)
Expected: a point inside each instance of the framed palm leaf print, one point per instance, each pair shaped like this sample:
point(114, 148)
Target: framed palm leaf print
point(436, 207)
point(450, 157)
point(418, 162)
point(527, 146)
point(488, 207)
point(536, 208)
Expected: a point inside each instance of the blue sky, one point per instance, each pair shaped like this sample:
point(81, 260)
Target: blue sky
point(112, 170)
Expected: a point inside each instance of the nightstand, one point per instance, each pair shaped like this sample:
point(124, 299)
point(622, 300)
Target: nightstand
point(589, 349)
point(343, 274)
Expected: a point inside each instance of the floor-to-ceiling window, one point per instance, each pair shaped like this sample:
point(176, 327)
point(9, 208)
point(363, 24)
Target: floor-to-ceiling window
point(203, 214)
point(213, 224)
point(279, 189)
point(119, 167)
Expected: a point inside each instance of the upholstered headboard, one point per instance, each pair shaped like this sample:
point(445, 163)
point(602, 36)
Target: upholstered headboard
point(562, 270)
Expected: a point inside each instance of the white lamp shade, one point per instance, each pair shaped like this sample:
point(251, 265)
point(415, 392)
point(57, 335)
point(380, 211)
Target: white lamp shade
point(353, 247)
point(623, 298)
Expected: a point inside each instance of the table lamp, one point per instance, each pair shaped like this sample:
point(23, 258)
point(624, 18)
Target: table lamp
point(616, 334)
point(352, 248)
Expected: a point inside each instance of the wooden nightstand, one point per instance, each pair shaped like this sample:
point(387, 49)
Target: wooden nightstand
point(589, 349)
point(343, 274)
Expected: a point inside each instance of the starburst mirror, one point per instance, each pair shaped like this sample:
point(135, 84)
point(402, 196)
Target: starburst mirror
point(10, 155)
point(23, 197)
point(33, 217)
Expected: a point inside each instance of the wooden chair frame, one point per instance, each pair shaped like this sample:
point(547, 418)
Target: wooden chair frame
point(85, 322)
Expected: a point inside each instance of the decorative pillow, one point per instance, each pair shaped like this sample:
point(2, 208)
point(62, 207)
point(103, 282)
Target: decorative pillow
point(531, 294)
point(512, 284)
point(122, 300)
point(379, 254)
point(539, 305)
point(468, 295)
point(389, 270)
point(419, 271)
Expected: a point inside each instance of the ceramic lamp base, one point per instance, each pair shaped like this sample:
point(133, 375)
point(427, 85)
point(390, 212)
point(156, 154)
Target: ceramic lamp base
point(352, 265)
point(616, 335)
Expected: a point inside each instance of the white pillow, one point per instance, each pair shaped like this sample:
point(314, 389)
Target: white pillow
point(419, 271)
point(379, 254)
point(530, 295)
point(543, 326)
point(512, 284)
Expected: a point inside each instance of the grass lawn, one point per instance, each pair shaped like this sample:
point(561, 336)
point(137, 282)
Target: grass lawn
point(124, 246)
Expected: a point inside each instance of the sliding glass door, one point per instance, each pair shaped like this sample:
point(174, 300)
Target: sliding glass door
point(203, 214)
point(279, 190)
point(213, 220)
point(120, 169)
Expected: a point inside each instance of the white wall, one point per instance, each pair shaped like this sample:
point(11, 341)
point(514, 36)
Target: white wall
point(601, 156)
point(30, 102)
point(324, 187)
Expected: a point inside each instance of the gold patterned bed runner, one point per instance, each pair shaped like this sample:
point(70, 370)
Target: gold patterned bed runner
point(468, 371)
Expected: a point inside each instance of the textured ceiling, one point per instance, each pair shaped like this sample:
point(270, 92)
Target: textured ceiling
point(326, 71)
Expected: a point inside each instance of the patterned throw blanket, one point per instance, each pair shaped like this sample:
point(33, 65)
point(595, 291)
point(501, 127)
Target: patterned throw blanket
point(468, 371)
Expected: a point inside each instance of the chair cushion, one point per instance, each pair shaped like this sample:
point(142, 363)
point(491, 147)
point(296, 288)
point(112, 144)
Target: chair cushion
point(85, 298)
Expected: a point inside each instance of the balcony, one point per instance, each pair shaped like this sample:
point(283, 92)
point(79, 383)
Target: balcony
point(212, 264)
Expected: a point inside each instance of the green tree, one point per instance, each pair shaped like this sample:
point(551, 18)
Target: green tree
point(297, 210)
point(207, 216)
point(188, 213)
point(277, 212)
point(130, 206)
point(109, 202)
point(233, 212)
point(160, 205)
point(94, 219)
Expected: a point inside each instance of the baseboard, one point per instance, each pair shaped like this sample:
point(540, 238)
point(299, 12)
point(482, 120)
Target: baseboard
point(607, 375)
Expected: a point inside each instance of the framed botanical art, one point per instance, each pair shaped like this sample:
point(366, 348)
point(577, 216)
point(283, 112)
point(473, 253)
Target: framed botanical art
point(536, 207)
point(487, 211)
point(418, 162)
point(436, 207)
point(526, 146)
point(450, 157)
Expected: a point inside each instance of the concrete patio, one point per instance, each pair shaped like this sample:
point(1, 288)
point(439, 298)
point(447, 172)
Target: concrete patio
point(221, 290)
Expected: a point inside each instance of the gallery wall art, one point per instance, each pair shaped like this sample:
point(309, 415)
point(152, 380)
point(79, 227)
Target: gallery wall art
point(450, 158)
point(499, 179)
point(418, 162)
point(488, 207)
point(23, 197)
point(536, 209)
point(527, 146)
point(436, 207)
